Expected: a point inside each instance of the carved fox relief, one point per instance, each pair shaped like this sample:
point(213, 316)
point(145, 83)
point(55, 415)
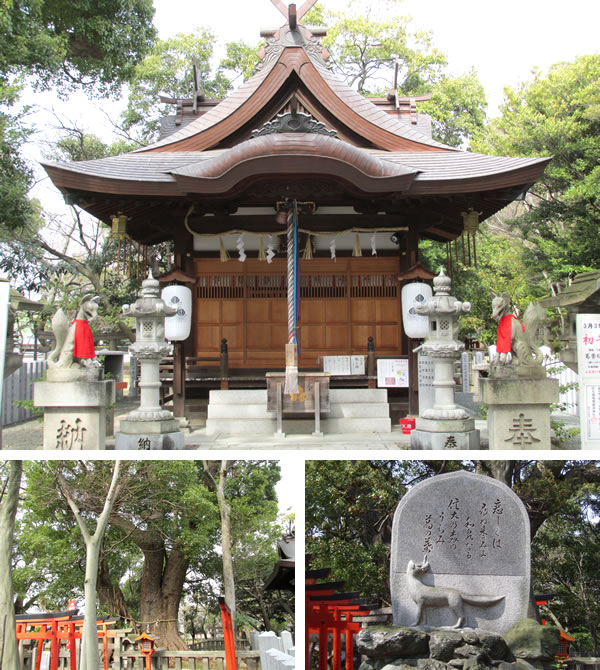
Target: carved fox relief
point(441, 597)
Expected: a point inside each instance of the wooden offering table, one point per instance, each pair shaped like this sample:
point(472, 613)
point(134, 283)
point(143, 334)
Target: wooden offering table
point(312, 397)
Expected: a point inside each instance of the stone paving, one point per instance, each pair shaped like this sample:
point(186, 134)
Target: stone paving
point(28, 435)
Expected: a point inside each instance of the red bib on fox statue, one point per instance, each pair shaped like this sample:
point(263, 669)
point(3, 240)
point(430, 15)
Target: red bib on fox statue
point(503, 340)
point(83, 346)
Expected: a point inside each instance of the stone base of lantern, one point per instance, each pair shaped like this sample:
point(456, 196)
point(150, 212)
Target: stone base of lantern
point(149, 435)
point(75, 403)
point(444, 434)
point(519, 411)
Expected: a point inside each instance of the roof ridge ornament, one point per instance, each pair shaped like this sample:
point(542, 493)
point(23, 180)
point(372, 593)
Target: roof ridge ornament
point(291, 10)
point(291, 122)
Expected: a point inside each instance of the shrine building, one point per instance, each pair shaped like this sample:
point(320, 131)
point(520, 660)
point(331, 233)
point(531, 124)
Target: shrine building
point(364, 177)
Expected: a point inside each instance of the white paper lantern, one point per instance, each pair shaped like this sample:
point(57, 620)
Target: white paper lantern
point(415, 325)
point(178, 326)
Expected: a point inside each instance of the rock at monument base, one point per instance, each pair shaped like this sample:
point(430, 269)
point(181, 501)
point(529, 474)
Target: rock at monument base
point(391, 642)
point(531, 641)
point(440, 434)
point(386, 648)
point(74, 411)
point(519, 411)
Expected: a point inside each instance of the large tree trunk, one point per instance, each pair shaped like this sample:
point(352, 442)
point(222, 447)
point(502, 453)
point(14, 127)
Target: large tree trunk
point(110, 595)
point(9, 657)
point(162, 585)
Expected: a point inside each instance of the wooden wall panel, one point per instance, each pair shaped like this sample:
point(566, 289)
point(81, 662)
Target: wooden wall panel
point(208, 311)
point(208, 338)
point(232, 311)
point(342, 305)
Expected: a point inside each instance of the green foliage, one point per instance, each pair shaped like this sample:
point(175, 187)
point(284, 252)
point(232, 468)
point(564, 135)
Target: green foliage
point(168, 70)
point(64, 46)
point(241, 59)
point(362, 45)
point(457, 108)
point(161, 504)
point(349, 510)
point(16, 211)
point(556, 115)
point(564, 562)
point(501, 267)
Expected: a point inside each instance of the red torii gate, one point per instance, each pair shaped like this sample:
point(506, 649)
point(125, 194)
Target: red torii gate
point(329, 611)
point(57, 627)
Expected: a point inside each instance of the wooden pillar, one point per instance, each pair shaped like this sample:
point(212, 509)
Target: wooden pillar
point(371, 364)
point(178, 380)
point(409, 249)
point(224, 365)
point(184, 244)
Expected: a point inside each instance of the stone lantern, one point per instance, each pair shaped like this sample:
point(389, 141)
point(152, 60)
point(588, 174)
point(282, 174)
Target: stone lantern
point(149, 426)
point(445, 425)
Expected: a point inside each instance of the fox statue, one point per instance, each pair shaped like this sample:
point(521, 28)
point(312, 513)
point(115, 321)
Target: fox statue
point(440, 596)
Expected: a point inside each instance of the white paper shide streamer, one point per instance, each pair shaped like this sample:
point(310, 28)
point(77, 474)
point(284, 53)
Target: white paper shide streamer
point(241, 249)
point(373, 239)
point(332, 248)
point(270, 253)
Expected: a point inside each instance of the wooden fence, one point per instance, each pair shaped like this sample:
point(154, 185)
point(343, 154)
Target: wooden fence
point(163, 660)
point(19, 386)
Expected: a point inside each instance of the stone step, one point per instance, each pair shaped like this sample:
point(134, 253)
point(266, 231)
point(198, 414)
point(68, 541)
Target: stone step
point(350, 410)
point(238, 397)
point(232, 426)
point(242, 411)
point(358, 395)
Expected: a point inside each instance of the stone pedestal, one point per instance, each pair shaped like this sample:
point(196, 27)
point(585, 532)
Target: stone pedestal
point(149, 435)
point(75, 404)
point(444, 434)
point(519, 411)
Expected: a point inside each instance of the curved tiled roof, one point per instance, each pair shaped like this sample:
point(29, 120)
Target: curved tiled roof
point(293, 153)
point(433, 172)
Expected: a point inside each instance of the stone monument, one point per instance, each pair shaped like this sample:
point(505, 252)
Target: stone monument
point(74, 395)
point(517, 392)
point(445, 425)
point(460, 555)
point(149, 427)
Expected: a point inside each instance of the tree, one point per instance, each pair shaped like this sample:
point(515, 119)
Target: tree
point(93, 542)
point(564, 563)
point(555, 115)
point(245, 494)
point(363, 47)
point(366, 49)
point(161, 542)
point(94, 44)
point(217, 472)
point(16, 211)
point(9, 499)
point(168, 70)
